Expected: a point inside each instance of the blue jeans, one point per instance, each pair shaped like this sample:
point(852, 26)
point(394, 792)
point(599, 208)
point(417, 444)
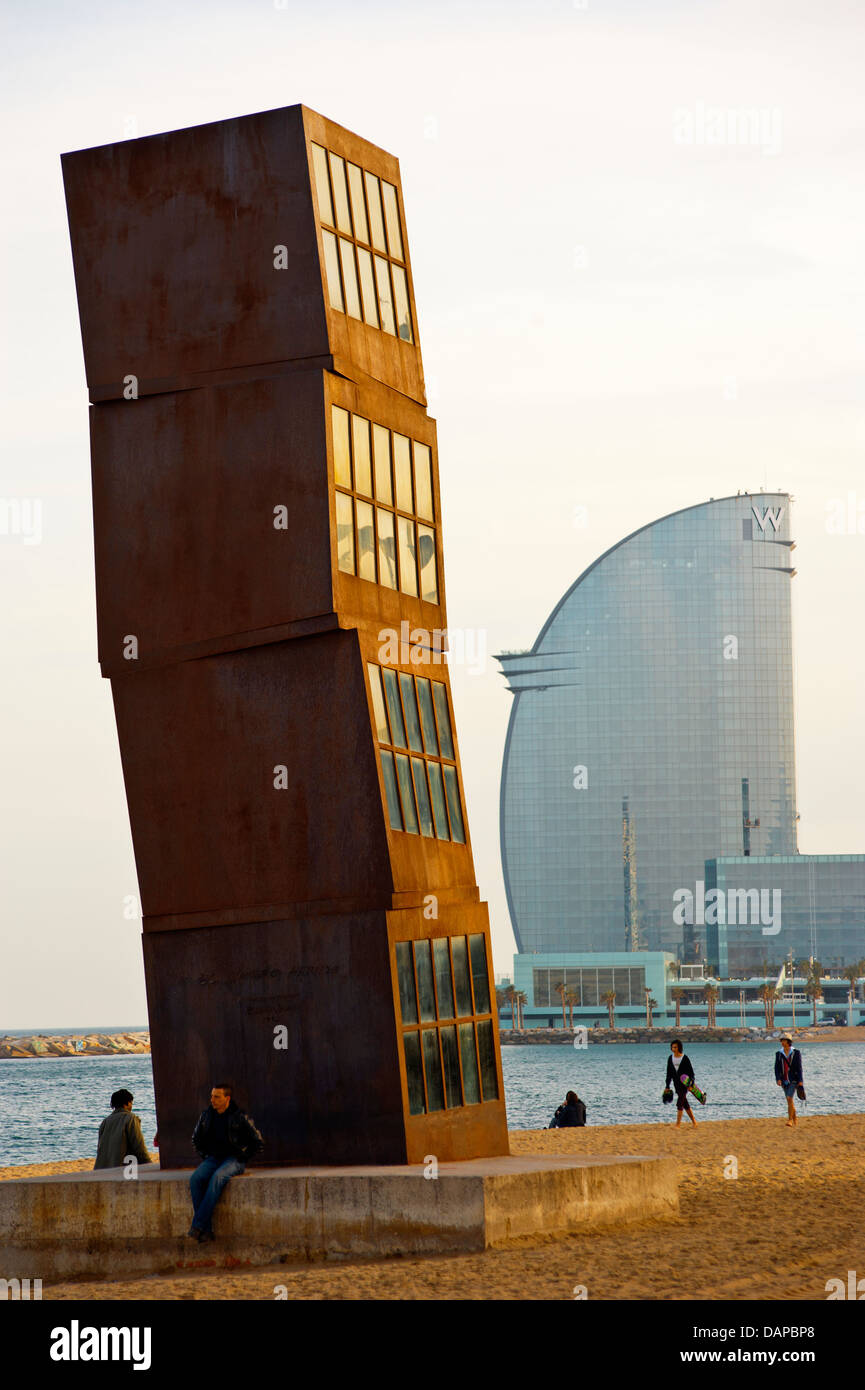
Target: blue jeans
point(206, 1185)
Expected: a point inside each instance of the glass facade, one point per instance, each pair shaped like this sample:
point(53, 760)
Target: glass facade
point(385, 530)
point(589, 985)
point(418, 762)
point(446, 1015)
point(365, 265)
point(652, 729)
point(812, 903)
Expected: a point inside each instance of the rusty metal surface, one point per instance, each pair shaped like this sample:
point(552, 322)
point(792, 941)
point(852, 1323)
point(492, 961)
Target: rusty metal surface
point(265, 905)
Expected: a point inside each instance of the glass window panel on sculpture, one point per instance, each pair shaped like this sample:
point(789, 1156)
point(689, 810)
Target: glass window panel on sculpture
point(414, 1073)
point(387, 574)
point(400, 300)
point(394, 709)
point(450, 1057)
point(462, 986)
point(355, 185)
point(376, 221)
point(365, 541)
point(367, 287)
point(437, 792)
point(322, 185)
point(442, 966)
point(381, 463)
point(409, 704)
point(340, 194)
point(341, 452)
point(426, 554)
point(403, 773)
point(453, 795)
point(349, 278)
point(391, 217)
point(427, 718)
point(423, 970)
point(441, 703)
point(480, 976)
point(407, 557)
point(402, 472)
point(422, 794)
point(432, 1069)
point(486, 1052)
point(381, 728)
point(423, 481)
point(405, 977)
point(331, 265)
point(385, 298)
point(469, 1058)
point(391, 790)
point(344, 533)
point(362, 463)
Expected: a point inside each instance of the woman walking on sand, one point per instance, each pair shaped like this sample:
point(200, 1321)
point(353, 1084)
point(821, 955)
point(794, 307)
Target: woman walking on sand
point(681, 1073)
point(788, 1075)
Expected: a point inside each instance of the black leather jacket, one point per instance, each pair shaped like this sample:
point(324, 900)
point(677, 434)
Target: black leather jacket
point(243, 1137)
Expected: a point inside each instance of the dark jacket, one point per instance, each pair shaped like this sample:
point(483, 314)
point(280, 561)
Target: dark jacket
point(243, 1138)
point(795, 1060)
point(569, 1116)
point(675, 1074)
point(119, 1135)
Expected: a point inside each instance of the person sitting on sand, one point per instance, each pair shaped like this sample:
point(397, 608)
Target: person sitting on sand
point(226, 1139)
point(788, 1075)
point(120, 1134)
point(680, 1073)
point(571, 1115)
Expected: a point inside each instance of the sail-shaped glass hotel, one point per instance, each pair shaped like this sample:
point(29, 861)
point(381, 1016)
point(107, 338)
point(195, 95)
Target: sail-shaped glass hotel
point(651, 730)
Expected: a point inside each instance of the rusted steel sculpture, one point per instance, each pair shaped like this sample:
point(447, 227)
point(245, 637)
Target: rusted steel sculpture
point(270, 596)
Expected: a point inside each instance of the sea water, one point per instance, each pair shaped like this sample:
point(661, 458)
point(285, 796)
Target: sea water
point(621, 1083)
point(51, 1108)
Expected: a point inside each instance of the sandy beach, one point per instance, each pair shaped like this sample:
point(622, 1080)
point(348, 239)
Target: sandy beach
point(791, 1220)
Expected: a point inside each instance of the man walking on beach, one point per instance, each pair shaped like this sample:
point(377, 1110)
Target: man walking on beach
point(788, 1075)
point(226, 1139)
point(120, 1135)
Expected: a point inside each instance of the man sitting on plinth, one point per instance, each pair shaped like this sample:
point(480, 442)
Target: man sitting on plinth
point(226, 1139)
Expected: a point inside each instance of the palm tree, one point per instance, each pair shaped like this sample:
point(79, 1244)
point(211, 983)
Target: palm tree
point(678, 995)
point(851, 974)
point(814, 991)
point(510, 996)
point(521, 999)
point(651, 1004)
point(610, 1001)
point(710, 994)
point(767, 994)
point(561, 991)
point(573, 997)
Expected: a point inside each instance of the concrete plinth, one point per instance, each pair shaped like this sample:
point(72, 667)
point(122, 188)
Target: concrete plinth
point(101, 1224)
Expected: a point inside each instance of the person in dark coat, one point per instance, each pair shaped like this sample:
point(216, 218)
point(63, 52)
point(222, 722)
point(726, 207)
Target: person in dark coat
point(571, 1115)
point(679, 1072)
point(788, 1075)
point(226, 1139)
point(120, 1134)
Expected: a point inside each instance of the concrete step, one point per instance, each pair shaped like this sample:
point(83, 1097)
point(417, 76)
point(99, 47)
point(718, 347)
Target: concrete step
point(101, 1224)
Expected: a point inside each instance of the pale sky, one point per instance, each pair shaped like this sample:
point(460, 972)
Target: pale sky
point(630, 298)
